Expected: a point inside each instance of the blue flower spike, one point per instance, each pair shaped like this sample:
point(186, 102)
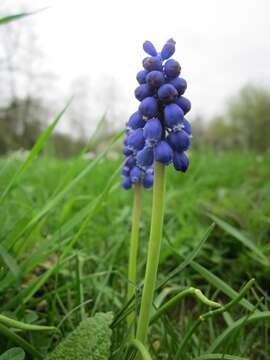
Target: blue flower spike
point(158, 130)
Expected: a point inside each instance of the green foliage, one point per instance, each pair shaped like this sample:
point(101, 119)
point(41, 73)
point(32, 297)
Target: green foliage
point(62, 218)
point(13, 354)
point(90, 340)
point(245, 123)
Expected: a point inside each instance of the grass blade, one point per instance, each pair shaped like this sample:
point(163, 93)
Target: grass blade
point(245, 320)
point(23, 326)
point(219, 357)
point(189, 258)
point(220, 284)
point(20, 341)
point(33, 153)
point(238, 235)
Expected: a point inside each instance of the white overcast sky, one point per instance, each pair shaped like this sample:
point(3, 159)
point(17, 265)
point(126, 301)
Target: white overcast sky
point(221, 44)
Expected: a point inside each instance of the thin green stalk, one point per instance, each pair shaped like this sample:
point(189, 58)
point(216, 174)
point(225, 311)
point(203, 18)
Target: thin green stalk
point(140, 347)
point(132, 266)
point(189, 291)
point(153, 251)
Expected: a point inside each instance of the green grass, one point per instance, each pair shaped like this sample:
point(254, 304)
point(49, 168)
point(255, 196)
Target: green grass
point(64, 237)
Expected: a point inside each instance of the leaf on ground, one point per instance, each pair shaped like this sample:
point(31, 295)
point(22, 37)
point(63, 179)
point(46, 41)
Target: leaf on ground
point(90, 340)
point(15, 353)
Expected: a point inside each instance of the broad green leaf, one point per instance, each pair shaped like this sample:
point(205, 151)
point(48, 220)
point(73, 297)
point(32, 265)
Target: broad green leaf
point(90, 340)
point(15, 353)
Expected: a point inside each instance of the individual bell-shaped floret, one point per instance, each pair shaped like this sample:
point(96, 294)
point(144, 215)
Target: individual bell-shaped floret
point(163, 152)
point(136, 140)
point(155, 79)
point(127, 151)
point(130, 161)
point(135, 121)
point(152, 131)
point(172, 68)
point(125, 171)
point(180, 84)
point(167, 93)
point(142, 91)
point(145, 157)
point(179, 140)
point(149, 48)
point(148, 107)
point(173, 115)
point(186, 126)
point(141, 76)
point(180, 161)
point(168, 49)
point(152, 63)
point(127, 183)
point(184, 103)
point(135, 174)
point(148, 180)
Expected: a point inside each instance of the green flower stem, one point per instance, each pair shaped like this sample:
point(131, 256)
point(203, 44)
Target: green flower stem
point(140, 347)
point(153, 251)
point(132, 266)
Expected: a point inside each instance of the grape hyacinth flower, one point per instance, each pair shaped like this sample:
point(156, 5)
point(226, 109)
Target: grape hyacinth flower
point(166, 137)
point(157, 135)
point(158, 130)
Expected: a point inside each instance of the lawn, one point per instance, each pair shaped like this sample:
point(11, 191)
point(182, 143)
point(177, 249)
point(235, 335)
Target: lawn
point(65, 228)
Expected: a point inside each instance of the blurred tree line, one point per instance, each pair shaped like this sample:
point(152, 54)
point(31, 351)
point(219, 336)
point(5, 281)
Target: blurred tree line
point(245, 125)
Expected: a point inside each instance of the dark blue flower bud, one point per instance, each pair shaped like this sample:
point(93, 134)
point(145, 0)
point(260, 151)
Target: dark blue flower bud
point(180, 161)
point(142, 91)
point(136, 140)
point(126, 184)
point(172, 68)
point(145, 157)
point(148, 180)
point(130, 162)
point(149, 48)
point(179, 140)
point(152, 131)
point(148, 107)
point(125, 141)
point(163, 152)
point(135, 174)
point(180, 84)
point(155, 79)
point(184, 103)
point(141, 76)
point(125, 171)
point(168, 49)
point(152, 63)
point(167, 93)
point(187, 126)
point(127, 150)
point(173, 115)
point(135, 121)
